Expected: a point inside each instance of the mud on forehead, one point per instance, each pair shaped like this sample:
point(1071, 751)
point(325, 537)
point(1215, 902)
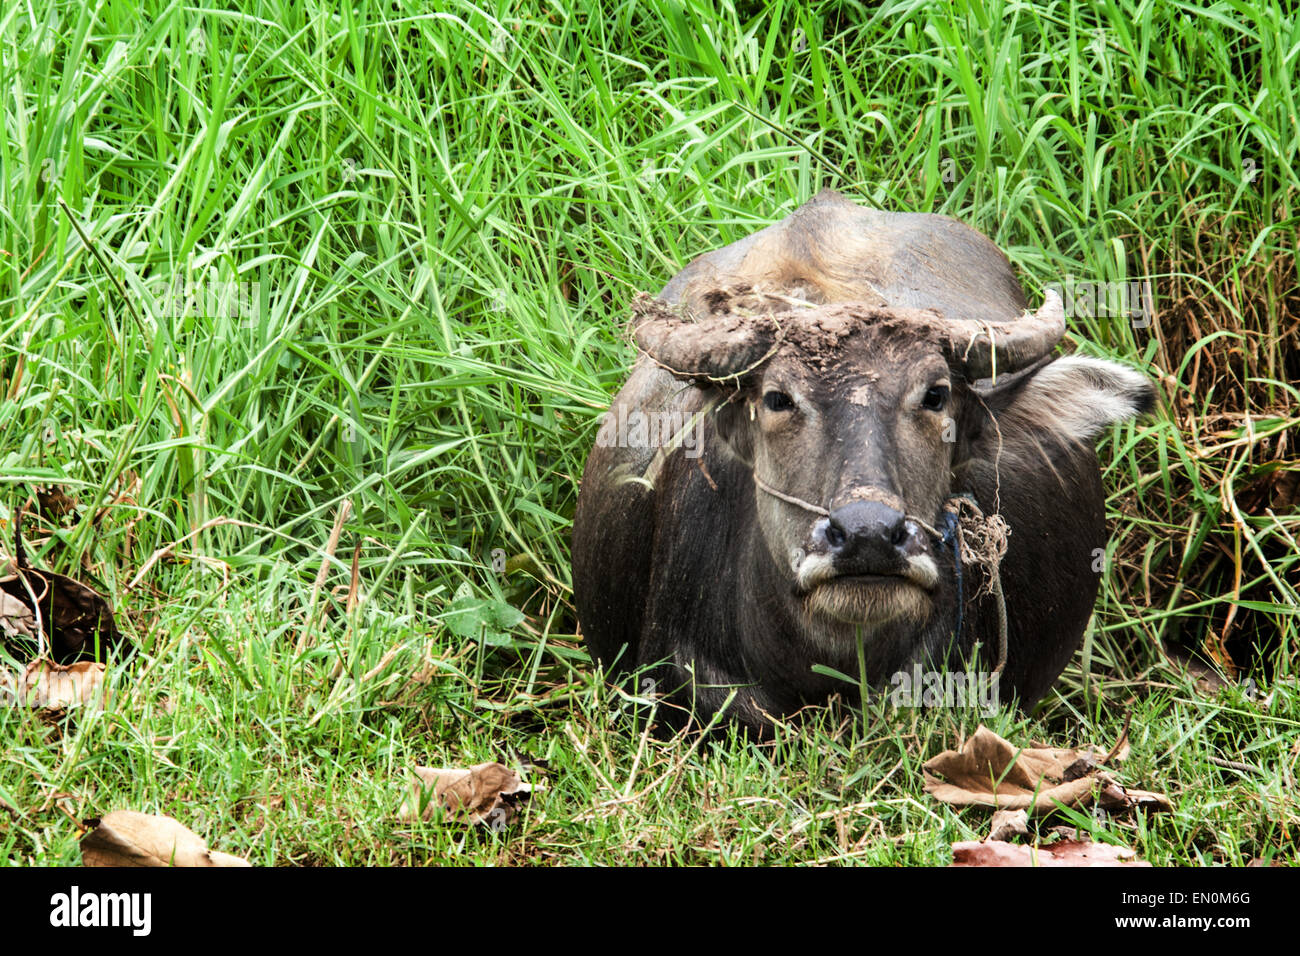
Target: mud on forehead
point(816, 328)
point(845, 342)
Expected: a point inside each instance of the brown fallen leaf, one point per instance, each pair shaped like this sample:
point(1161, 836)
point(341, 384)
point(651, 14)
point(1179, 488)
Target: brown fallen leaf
point(1085, 766)
point(1115, 796)
point(1064, 853)
point(1009, 823)
point(989, 771)
point(129, 838)
point(77, 620)
point(17, 622)
point(488, 792)
point(54, 503)
point(48, 686)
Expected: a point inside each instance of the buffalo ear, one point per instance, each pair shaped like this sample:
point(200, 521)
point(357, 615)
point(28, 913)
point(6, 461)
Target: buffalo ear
point(1070, 399)
point(1079, 397)
point(717, 348)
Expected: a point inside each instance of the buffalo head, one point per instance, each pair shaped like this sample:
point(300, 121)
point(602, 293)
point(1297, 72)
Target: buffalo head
point(855, 421)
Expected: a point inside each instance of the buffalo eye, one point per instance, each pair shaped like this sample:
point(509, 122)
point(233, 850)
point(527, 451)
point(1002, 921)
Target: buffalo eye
point(935, 398)
point(778, 402)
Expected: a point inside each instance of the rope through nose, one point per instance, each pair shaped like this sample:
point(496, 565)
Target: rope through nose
point(980, 539)
point(975, 539)
point(790, 499)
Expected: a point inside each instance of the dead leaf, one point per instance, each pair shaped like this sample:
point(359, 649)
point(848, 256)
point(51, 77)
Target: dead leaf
point(1115, 796)
point(488, 792)
point(78, 622)
point(47, 686)
point(988, 771)
point(1064, 853)
point(77, 619)
point(1009, 823)
point(54, 503)
point(129, 838)
point(17, 622)
point(1085, 766)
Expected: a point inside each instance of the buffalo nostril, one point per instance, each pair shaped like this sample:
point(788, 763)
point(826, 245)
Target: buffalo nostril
point(835, 535)
point(899, 535)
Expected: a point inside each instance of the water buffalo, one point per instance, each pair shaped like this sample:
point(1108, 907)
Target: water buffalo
point(776, 486)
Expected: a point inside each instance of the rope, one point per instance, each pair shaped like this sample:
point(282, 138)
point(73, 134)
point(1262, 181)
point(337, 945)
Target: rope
point(790, 499)
point(952, 538)
point(982, 540)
